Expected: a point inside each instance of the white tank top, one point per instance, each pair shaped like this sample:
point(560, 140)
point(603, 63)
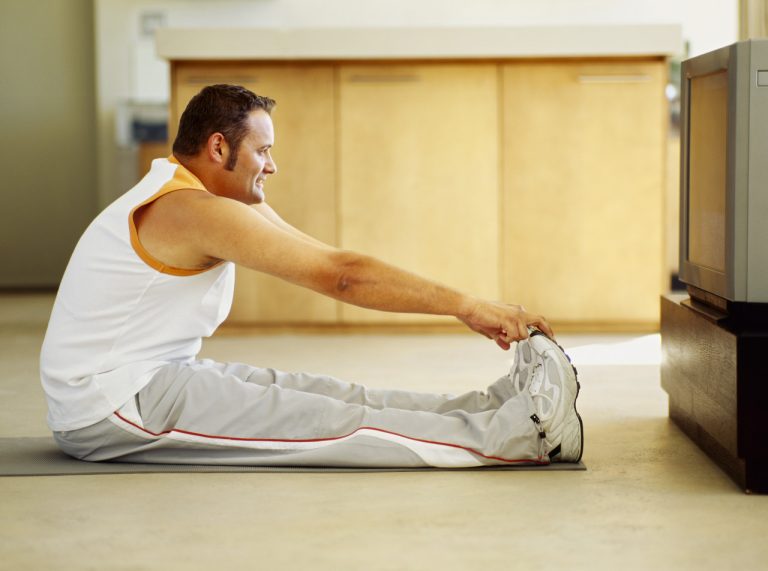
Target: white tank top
point(120, 314)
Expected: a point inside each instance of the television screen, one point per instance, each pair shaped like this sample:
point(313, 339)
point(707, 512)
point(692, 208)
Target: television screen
point(708, 126)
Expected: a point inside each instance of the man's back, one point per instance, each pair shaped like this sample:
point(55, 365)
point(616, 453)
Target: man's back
point(120, 314)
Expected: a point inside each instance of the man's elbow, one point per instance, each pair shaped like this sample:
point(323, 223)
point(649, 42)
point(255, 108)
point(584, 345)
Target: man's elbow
point(345, 273)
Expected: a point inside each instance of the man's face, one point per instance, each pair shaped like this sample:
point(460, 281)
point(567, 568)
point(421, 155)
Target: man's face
point(245, 181)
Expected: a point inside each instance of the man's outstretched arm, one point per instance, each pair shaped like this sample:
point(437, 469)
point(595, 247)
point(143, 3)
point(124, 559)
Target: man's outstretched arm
point(225, 229)
point(269, 213)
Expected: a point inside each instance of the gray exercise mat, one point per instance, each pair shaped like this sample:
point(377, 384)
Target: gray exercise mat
point(41, 457)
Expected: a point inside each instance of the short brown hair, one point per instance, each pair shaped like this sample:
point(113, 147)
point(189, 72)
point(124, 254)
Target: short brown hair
point(221, 109)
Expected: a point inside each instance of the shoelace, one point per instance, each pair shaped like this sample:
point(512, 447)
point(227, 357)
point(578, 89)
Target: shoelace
point(545, 404)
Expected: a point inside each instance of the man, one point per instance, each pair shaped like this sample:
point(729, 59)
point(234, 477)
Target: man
point(153, 274)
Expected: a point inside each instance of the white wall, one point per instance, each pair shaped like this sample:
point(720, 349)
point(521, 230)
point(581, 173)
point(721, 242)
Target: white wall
point(706, 24)
point(128, 69)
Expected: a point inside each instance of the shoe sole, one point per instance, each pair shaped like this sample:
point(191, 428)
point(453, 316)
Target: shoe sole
point(566, 362)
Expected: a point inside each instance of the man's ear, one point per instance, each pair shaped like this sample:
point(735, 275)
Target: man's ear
point(217, 148)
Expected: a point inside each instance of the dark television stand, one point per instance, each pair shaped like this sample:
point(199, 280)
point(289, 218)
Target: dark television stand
point(715, 371)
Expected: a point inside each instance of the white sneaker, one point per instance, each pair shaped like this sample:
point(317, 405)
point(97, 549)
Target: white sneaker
point(521, 374)
point(553, 386)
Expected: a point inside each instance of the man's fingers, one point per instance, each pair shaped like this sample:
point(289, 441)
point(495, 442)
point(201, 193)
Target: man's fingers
point(544, 326)
point(514, 331)
point(509, 325)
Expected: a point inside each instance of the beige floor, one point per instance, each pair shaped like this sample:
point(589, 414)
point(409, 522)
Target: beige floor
point(649, 500)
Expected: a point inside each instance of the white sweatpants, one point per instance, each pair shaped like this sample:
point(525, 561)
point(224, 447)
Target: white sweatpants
point(207, 412)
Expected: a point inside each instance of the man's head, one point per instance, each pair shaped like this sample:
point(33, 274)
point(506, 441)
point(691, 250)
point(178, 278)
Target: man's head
point(225, 137)
point(221, 109)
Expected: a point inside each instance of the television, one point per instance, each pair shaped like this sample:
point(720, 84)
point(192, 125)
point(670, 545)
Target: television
point(724, 175)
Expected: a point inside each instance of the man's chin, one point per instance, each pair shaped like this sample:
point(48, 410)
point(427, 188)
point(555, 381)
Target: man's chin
point(257, 195)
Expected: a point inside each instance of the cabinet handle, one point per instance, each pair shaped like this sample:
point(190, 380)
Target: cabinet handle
point(614, 78)
point(400, 78)
point(212, 80)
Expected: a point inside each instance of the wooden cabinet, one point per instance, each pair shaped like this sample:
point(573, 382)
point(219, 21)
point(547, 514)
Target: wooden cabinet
point(418, 177)
point(532, 181)
point(303, 190)
point(713, 368)
point(584, 172)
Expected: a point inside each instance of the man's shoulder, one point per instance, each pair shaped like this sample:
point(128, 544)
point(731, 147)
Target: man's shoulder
point(191, 211)
point(196, 202)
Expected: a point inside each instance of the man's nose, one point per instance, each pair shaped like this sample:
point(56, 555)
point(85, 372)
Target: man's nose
point(270, 166)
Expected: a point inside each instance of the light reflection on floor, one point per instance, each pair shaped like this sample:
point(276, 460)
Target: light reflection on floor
point(644, 350)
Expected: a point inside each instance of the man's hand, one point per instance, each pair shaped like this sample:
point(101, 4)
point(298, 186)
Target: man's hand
point(503, 323)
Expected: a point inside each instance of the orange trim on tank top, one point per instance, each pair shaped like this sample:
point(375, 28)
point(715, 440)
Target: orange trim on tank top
point(182, 180)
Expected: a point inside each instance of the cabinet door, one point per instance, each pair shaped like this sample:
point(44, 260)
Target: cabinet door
point(583, 155)
point(418, 176)
point(302, 191)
